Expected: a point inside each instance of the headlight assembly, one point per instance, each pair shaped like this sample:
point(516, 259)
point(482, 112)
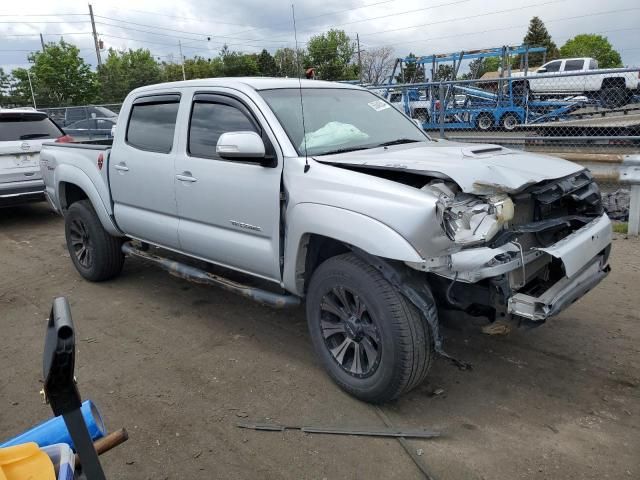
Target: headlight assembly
point(470, 220)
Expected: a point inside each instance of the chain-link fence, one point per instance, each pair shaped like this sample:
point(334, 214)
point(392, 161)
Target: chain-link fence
point(588, 116)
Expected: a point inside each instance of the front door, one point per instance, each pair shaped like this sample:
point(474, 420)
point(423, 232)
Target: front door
point(229, 209)
point(141, 172)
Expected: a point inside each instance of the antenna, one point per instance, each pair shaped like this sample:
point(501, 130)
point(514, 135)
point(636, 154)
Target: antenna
point(304, 129)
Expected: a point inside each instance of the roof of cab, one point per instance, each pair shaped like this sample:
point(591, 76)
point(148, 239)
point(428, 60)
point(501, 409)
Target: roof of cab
point(255, 83)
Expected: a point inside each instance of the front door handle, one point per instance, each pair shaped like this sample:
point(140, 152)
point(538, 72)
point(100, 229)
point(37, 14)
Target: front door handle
point(122, 167)
point(186, 177)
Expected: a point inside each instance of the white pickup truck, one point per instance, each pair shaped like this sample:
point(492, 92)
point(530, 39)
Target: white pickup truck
point(613, 87)
point(355, 210)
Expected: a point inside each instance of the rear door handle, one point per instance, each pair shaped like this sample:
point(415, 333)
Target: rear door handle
point(186, 177)
point(122, 167)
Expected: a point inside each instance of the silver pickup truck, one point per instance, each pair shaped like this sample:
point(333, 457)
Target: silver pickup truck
point(349, 206)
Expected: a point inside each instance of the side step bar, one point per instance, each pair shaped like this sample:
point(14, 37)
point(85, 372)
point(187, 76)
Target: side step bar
point(196, 275)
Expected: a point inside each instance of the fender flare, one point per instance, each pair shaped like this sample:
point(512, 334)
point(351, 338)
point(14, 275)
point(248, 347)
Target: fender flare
point(75, 176)
point(352, 228)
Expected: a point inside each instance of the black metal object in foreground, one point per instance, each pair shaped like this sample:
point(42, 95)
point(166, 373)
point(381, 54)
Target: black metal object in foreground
point(364, 432)
point(196, 275)
point(60, 387)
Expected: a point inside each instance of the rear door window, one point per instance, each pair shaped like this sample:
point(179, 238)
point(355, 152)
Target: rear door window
point(27, 126)
point(573, 65)
point(152, 123)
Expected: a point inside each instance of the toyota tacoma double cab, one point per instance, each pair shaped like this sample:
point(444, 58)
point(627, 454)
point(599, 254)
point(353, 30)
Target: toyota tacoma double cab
point(348, 206)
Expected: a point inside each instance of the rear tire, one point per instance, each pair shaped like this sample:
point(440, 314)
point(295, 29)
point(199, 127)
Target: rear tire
point(615, 97)
point(96, 255)
point(510, 121)
point(350, 303)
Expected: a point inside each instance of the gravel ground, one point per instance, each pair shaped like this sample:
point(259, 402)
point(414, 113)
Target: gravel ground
point(179, 365)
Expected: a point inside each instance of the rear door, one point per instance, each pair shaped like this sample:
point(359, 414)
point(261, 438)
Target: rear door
point(575, 83)
point(141, 170)
point(229, 209)
point(21, 137)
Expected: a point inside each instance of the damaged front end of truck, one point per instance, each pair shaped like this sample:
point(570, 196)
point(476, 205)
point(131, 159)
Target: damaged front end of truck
point(522, 255)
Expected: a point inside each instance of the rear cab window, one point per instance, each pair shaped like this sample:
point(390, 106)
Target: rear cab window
point(27, 126)
point(152, 123)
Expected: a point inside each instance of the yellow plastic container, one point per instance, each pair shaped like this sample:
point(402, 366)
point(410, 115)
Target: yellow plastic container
point(25, 462)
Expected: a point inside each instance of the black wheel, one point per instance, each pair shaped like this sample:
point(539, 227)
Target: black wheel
point(484, 122)
point(510, 121)
point(421, 115)
point(615, 97)
point(96, 255)
point(372, 341)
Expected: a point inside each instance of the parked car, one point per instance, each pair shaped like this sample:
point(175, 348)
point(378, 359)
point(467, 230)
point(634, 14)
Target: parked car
point(66, 116)
point(22, 132)
point(612, 86)
point(356, 210)
point(92, 128)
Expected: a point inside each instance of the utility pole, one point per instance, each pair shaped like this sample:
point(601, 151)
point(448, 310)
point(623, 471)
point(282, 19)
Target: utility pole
point(95, 36)
point(33, 97)
point(184, 77)
point(359, 58)
point(42, 42)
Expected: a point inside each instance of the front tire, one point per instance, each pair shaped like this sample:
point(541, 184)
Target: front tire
point(484, 122)
point(96, 255)
point(371, 340)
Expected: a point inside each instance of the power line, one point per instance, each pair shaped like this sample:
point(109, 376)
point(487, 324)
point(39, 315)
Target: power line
point(43, 15)
point(45, 34)
point(574, 17)
point(495, 12)
point(45, 22)
point(401, 13)
point(205, 37)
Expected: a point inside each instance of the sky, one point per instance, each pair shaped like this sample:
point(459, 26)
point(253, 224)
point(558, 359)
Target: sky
point(424, 28)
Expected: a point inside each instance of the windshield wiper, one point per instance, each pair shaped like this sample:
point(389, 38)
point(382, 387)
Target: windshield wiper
point(343, 150)
point(33, 135)
point(399, 141)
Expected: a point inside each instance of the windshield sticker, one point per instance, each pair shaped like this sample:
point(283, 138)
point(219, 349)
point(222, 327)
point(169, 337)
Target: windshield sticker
point(379, 105)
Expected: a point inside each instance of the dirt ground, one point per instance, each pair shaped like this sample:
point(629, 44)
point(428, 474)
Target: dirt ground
point(179, 365)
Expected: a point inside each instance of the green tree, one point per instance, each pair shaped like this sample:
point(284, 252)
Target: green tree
point(287, 62)
point(266, 64)
point(591, 45)
point(5, 87)
point(59, 75)
point(237, 64)
point(330, 54)
point(123, 71)
point(444, 72)
point(412, 72)
point(537, 36)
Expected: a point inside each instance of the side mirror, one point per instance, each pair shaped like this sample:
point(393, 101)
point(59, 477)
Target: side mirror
point(240, 145)
point(541, 70)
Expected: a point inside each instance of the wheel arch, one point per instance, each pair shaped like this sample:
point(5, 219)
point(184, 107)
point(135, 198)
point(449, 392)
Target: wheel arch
point(73, 185)
point(318, 232)
point(614, 82)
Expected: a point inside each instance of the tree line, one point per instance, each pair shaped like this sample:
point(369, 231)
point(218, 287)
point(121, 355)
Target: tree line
point(59, 76)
